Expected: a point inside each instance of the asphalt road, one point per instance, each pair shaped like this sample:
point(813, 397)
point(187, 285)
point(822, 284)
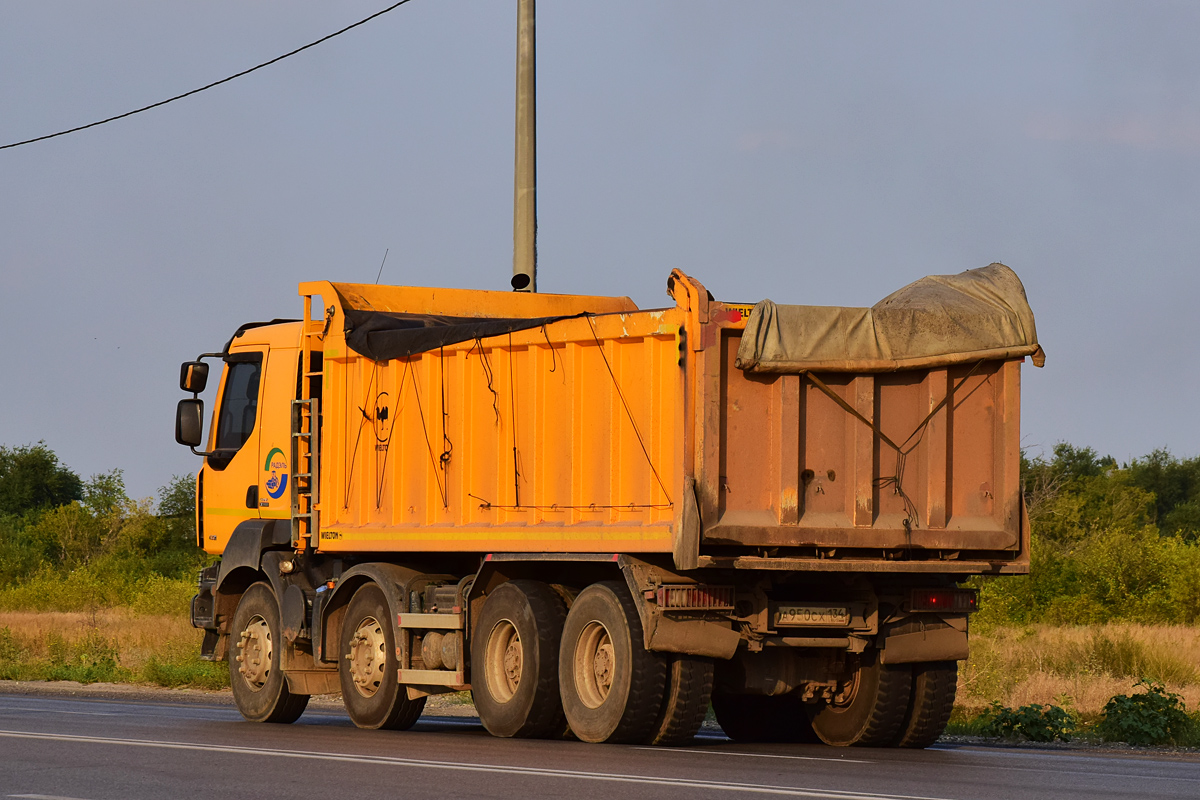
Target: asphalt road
point(122, 750)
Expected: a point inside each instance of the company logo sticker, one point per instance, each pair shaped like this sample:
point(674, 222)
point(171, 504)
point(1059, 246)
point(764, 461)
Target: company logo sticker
point(277, 466)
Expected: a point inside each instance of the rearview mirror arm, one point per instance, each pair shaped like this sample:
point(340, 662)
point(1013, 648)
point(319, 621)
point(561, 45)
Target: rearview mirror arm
point(196, 396)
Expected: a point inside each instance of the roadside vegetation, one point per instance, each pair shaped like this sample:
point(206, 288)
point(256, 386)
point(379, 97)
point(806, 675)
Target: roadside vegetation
point(94, 585)
point(1099, 643)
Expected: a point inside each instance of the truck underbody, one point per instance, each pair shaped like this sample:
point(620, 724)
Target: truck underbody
point(848, 657)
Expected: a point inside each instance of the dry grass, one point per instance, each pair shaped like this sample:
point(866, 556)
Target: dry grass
point(105, 645)
point(1078, 666)
point(136, 637)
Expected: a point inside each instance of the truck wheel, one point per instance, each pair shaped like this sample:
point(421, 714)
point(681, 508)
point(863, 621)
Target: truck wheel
point(260, 689)
point(930, 704)
point(869, 709)
point(611, 685)
point(685, 700)
point(758, 718)
point(514, 658)
point(371, 690)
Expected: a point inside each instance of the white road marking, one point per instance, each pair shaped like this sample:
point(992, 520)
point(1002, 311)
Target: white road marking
point(754, 755)
point(502, 769)
point(1057, 755)
point(59, 711)
point(44, 797)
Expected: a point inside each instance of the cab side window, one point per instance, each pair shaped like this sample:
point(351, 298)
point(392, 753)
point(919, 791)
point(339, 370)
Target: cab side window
point(239, 404)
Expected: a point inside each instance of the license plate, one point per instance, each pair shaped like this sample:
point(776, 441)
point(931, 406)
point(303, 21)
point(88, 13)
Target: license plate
point(812, 615)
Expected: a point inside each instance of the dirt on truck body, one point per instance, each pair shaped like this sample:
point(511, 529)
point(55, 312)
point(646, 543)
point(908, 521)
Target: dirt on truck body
point(603, 519)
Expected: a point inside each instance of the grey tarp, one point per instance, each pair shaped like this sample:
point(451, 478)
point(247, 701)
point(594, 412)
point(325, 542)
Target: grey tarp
point(936, 321)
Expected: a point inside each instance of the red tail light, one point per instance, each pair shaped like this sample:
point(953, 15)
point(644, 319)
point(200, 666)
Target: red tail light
point(956, 600)
point(698, 597)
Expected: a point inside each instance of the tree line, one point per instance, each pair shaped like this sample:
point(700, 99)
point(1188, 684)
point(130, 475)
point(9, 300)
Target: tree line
point(52, 521)
point(1109, 541)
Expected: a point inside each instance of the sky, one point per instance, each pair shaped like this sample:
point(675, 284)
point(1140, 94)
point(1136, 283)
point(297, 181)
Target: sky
point(810, 152)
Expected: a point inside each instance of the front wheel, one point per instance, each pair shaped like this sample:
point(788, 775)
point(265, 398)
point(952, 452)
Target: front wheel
point(259, 687)
point(869, 707)
point(371, 690)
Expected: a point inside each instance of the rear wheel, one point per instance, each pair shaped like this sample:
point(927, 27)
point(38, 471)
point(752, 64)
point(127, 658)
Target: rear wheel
point(685, 700)
point(758, 718)
point(611, 686)
point(259, 687)
point(514, 658)
point(371, 690)
point(869, 707)
point(930, 703)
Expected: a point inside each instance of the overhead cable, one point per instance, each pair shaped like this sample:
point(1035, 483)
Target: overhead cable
point(211, 85)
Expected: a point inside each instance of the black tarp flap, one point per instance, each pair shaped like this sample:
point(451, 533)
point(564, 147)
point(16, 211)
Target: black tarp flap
point(383, 335)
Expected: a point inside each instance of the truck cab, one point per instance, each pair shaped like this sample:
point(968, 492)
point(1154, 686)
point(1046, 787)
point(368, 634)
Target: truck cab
point(246, 467)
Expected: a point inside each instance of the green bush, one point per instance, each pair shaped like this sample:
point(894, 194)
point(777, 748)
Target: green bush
point(10, 651)
point(1036, 723)
point(1152, 717)
point(188, 671)
point(91, 659)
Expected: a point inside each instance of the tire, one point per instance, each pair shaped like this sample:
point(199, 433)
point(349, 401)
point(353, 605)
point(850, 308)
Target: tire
point(930, 703)
point(259, 686)
point(611, 686)
point(758, 718)
point(873, 708)
point(514, 661)
point(689, 683)
point(367, 666)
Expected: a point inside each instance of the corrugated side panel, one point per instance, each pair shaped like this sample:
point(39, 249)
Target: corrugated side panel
point(567, 438)
point(796, 469)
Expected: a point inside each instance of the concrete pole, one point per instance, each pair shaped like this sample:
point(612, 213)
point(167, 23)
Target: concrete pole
point(525, 185)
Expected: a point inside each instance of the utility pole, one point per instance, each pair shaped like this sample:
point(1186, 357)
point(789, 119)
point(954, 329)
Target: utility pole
point(524, 277)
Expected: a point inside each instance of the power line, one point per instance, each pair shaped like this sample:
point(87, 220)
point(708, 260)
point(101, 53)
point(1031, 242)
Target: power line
point(211, 85)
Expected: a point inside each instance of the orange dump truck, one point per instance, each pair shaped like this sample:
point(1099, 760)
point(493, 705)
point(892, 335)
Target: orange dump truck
point(603, 519)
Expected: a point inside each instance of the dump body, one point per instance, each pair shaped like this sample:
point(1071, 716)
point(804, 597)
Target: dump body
point(632, 431)
point(785, 466)
point(542, 440)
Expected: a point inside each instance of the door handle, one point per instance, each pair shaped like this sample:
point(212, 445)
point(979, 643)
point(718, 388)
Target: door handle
point(252, 496)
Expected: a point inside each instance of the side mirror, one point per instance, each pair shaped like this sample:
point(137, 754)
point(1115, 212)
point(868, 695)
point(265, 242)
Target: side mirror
point(193, 376)
point(189, 421)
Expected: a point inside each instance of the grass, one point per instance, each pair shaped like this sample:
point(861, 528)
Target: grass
point(108, 646)
point(1078, 667)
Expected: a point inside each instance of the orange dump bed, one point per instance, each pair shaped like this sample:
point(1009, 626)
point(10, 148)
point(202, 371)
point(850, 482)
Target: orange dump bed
point(626, 430)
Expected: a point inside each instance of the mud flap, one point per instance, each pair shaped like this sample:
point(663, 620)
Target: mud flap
point(687, 529)
point(691, 637)
point(931, 644)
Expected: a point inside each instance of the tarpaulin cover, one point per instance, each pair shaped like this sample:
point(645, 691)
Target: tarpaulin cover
point(383, 335)
point(937, 321)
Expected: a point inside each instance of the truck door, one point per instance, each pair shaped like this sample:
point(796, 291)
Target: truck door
point(275, 434)
point(231, 480)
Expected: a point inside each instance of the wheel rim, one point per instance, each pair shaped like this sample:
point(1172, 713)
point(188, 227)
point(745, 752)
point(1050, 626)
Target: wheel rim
point(367, 656)
point(255, 652)
point(505, 661)
point(595, 663)
point(847, 691)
